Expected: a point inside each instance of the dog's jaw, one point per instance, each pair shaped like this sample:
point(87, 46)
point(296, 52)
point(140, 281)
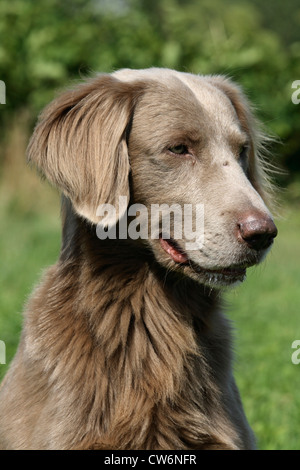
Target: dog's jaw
point(230, 275)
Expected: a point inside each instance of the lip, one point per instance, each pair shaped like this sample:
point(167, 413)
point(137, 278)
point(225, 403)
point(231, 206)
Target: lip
point(172, 248)
point(221, 277)
point(226, 275)
point(229, 273)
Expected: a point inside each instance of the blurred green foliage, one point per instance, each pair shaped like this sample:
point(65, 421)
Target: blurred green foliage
point(44, 45)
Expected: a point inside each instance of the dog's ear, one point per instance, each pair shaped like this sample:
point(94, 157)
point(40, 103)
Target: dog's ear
point(79, 143)
point(260, 169)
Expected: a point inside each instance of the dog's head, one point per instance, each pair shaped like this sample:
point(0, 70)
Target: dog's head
point(179, 148)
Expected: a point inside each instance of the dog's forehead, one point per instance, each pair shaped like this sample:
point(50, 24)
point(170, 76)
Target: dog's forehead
point(211, 99)
point(178, 100)
point(204, 91)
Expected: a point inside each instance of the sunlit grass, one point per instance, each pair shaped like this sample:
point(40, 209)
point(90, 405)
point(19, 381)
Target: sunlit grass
point(30, 241)
point(267, 318)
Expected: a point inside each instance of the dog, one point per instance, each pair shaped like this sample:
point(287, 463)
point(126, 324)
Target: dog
point(125, 345)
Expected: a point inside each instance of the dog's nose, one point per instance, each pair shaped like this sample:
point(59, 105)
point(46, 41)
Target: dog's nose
point(257, 230)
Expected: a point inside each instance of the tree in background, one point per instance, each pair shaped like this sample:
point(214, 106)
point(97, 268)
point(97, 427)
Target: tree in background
point(45, 45)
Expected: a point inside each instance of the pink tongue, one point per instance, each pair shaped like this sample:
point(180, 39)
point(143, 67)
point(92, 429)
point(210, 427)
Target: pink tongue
point(176, 255)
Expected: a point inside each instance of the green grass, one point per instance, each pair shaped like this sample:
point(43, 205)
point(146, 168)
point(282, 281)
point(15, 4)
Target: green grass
point(266, 314)
point(264, 310)
point(30, 242)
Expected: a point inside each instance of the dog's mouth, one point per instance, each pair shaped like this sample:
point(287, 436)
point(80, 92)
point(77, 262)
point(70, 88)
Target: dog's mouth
point(173, 249)
point(224, 276)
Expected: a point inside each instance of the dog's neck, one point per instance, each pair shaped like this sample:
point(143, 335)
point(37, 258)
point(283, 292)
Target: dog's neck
point(128, 261)
point(127, 296)
point(144, 336)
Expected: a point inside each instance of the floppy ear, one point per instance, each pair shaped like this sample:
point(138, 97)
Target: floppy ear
point(259, 168)
point(79, 143)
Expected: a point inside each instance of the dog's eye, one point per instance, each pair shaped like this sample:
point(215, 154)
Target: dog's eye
point(179, 149)
point(243, 152)
point(243, 157)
